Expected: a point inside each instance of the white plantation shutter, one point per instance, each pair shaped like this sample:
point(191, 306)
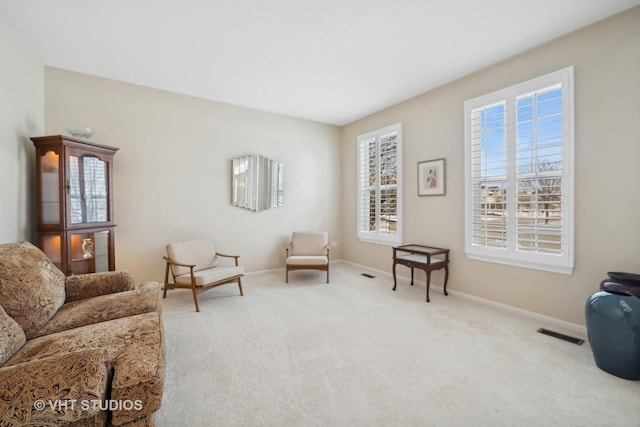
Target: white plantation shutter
point(519, 174)
point(379, 172)
point(367, 164)
point(539, 172)
point(489, 175)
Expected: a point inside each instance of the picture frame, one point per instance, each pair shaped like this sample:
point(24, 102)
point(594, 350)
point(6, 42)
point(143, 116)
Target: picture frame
point(431, 177)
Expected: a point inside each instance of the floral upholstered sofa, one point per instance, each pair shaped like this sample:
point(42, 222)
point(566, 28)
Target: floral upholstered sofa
point(84, 350)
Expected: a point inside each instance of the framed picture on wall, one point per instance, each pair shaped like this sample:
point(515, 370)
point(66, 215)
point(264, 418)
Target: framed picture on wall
point(431, 178)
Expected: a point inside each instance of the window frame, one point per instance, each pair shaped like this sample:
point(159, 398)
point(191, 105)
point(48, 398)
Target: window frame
point(378, 237)
point(510, 255)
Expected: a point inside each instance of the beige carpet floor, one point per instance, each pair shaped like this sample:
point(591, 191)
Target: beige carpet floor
point(354, 353)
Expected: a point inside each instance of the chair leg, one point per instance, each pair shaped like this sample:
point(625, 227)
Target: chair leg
point(327, 274)
point(166, 281)
point(286, 280)
point(195, 297)
point(240, 286)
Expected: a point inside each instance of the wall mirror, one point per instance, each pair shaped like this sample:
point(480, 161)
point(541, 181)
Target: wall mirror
point(257, 183)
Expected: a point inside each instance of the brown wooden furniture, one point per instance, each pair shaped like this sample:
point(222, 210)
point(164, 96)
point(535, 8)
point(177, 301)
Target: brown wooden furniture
point(427, 258)
point(308, 251)
point(194, 265)
point(74, 203)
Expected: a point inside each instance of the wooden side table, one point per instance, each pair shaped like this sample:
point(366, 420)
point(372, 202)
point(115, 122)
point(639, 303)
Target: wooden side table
point(427, 258)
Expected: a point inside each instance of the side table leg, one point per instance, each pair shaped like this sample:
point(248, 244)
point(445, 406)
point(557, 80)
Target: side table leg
point(446, 277)
point(428, 282)
point(411, 276)
point(395, 283)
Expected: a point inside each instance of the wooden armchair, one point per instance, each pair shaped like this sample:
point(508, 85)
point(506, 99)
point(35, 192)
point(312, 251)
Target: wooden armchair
point(194, 265)
point(308, 251)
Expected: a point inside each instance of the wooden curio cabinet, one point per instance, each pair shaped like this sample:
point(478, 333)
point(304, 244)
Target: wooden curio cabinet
point(74, 197)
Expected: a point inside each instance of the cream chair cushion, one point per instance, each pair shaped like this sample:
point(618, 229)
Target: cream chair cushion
point(307, 260)
point(202, 253)
point(313, 243)
point(210, 275)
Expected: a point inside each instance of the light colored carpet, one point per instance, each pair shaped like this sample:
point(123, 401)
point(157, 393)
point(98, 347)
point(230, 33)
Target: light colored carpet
point(354, 353)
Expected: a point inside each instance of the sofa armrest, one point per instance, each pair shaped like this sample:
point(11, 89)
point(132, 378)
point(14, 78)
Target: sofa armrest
point(53, 390)
point(149, 287)
point(91, 285)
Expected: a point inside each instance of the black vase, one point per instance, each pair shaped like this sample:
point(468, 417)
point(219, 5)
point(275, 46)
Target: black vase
point(613, 327)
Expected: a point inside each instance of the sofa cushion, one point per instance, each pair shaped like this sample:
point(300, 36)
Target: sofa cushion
point(75, 314)
point(31, 287)
point(135, 350)
point(314, 243)
point(210, 275)
point(11, 336)
point(74, 379)
point(200, 253)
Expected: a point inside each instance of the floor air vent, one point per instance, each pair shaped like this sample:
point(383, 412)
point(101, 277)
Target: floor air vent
point(368, 275)
point(563, 337)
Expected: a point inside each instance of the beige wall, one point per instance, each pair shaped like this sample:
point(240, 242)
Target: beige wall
point(21, 116)
point(172, 173)
point(606, 57)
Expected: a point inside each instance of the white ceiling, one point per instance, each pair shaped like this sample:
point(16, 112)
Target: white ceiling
point(331, 61)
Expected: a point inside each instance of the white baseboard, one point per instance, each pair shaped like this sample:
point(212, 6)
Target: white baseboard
point(546, 321)
point(273, 270)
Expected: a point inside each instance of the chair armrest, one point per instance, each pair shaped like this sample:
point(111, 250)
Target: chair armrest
point(91, 285)
point(53, 390)
point(288, 248)
point(229, 256)
point(173, 262)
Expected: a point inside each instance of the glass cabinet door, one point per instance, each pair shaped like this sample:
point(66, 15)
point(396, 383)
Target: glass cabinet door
point(87, 189)
point(50, 209)
point(51, 244)
point(89, 251)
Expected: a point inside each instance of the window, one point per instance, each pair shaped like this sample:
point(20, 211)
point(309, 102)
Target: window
point(380, 185)
point(519, 174)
